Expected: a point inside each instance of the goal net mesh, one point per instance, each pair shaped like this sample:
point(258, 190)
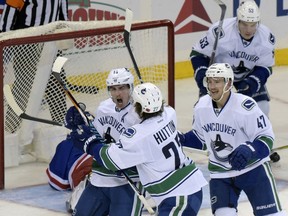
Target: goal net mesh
point(93, 48)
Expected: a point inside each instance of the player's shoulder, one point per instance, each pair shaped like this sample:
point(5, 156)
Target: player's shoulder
point(266, 35)
point(203, 102)
point(243, 103)
point(228, 28)
point(169, 109)
point(106, 106)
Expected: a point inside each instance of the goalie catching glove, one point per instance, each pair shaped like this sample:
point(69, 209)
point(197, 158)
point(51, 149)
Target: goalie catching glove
point(85, 138)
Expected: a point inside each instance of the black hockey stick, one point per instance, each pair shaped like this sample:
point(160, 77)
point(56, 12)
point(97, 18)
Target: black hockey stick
point(57, 66)
point(218, 31)
point(15, 107)
point(127, 29)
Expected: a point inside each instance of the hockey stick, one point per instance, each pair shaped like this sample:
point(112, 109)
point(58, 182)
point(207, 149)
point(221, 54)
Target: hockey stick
point(127, 29)
point(14, 106)
point(218, 31)
point(57, 66)
point(56, 69)
point(280, 148)
point(194, 150)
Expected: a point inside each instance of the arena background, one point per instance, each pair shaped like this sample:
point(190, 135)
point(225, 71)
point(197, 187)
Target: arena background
point(191, 19)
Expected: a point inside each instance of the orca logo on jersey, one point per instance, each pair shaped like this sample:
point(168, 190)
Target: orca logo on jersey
point(221, 149)
point(248, 104)
point(129, 132)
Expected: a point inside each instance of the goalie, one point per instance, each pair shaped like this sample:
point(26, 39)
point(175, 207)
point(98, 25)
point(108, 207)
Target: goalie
point(69, 166)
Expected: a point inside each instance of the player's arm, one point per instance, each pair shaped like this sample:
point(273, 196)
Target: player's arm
point(200, 57)
point(258, 128)
point(113, 157)
point(263, 69)
point(252, 83)
point(191, 140)
point(248, 152)
point(200, 63)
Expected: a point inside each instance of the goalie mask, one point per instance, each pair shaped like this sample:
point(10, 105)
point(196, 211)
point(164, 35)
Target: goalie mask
point(248, 11)
point(120, 76)
point(149, 97)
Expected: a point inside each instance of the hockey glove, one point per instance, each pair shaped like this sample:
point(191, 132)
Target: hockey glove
point(86, 138)
point(240, 157)
point(247, 87)
point(73, 117)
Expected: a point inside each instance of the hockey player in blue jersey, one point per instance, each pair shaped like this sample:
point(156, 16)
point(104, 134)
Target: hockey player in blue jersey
point(239, 138)
point(152, 145)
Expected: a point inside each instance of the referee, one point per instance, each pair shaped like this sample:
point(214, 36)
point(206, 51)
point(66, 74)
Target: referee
point(20, 14)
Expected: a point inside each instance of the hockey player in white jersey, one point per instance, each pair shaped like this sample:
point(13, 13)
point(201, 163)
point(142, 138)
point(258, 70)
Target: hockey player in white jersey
point(247, 45)
point(171, 178)
point(107, 192)
point(239, 137)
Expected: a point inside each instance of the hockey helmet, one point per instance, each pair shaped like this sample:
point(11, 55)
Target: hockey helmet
point(220, 70)
point(248, 11)
point(120, 76)
point(149, 96)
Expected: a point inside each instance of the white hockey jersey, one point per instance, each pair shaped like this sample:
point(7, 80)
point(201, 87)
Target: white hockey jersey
point(153, 147)
point(240, 120)
point(242, 55)
point(116, 122)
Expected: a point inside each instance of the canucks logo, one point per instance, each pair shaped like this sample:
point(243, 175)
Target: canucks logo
point(220, 149)
point(272, 39)
point(221, 33)
point(129, 132)
point(248, 104)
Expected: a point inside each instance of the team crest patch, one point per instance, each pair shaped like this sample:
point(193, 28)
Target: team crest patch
point(129, 132)
point(272, 39)
point(221, 35)
point(248, 104)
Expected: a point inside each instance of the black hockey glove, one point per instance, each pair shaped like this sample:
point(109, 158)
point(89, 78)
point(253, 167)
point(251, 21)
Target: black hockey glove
point(86, 138)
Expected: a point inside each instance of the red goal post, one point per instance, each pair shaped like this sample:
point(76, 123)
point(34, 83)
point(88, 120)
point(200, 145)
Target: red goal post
point(93, 48)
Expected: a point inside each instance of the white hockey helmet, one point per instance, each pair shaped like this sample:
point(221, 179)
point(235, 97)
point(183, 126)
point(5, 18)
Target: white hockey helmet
point(149, 96)
point(220, 70)
point(120, 76)
point(248, 11)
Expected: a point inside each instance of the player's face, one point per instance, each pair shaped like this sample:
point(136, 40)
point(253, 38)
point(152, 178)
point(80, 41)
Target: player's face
point(247, 29)
point(120, 95)
point(216, 87)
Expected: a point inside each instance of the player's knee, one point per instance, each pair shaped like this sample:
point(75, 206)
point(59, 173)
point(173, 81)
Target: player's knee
point(281, 213)
point(226, 211)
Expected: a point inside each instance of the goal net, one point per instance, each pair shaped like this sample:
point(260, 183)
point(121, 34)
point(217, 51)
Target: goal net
point(93, 48)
